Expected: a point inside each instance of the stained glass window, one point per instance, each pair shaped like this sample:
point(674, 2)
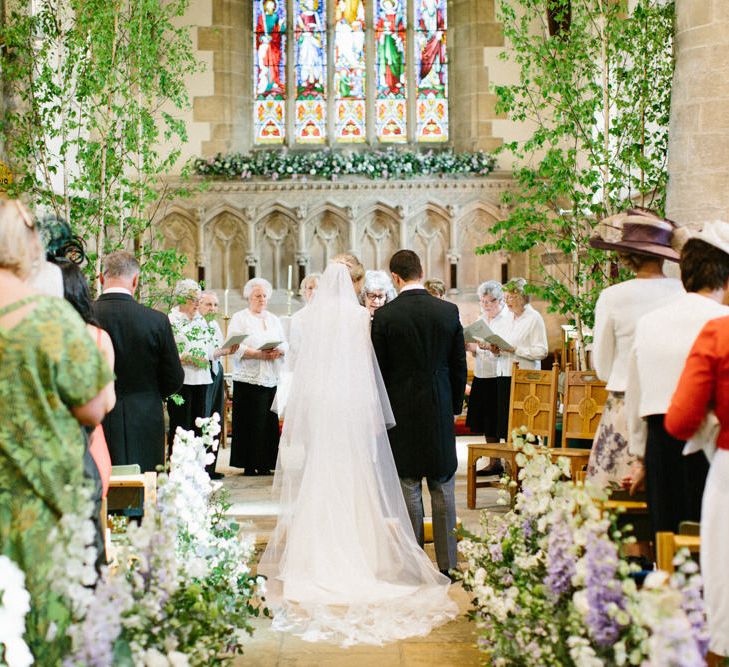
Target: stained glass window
point(391, 41)
point(349, 71)
point(431, 71)
point(406, 72)
point(311, 75)
point(269, 39)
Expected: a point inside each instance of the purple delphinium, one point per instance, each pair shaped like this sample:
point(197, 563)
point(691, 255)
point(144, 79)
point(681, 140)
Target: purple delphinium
point(560, 559)
point(692, 604)
point(603, 589)
point(94, 643)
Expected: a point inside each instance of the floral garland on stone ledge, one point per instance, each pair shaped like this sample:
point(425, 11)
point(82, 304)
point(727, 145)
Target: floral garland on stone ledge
point(180, 593)
point(550, 588)
point(327, 164)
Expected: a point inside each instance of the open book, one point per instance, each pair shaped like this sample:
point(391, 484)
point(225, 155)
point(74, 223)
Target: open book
point(233, 339)
point(479, 332)
point(270, 346)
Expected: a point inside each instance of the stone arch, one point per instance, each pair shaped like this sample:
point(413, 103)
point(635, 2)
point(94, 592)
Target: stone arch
point(179, 232)
point(226, 243)
point(327, 233)
point(430, 237)
point(276, 234)
point(474, 229)
point(378, 236)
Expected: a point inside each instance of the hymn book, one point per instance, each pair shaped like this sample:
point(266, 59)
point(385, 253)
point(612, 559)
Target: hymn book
point(270, 346)
point(233, 339)
point(479, 332)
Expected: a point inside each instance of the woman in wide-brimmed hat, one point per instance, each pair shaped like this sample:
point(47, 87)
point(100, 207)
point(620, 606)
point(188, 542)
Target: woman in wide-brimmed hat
point(644, 243)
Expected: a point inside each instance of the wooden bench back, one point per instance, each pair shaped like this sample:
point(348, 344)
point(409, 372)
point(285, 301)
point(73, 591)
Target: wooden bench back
point(533, 401)
point(584, 400)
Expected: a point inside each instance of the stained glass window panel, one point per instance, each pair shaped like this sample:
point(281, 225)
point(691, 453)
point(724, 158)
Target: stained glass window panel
point(311, 61)
point(349, 71)
point(431, 69)
point(269, 43)
point(390, 41)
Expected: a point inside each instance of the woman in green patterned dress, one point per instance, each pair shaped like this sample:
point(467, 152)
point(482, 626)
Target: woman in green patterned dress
point(52, 378)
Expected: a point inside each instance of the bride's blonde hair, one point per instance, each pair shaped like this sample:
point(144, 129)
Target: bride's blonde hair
point(356, 270)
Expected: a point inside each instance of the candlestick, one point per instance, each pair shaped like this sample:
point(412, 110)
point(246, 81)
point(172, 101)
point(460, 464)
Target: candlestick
point(226, 322)
point(288, 287)
point(225, 302)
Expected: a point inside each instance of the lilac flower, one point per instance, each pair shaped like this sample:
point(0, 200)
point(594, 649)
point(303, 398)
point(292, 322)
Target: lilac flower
point(496, 551)
point(94, 638)
point(692, 603)
point(604, 591)
point(527, 529)
point(560, 559)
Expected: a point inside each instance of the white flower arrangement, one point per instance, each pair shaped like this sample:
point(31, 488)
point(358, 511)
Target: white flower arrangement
point(181, 591)
point(14, 605)
point(550, 588)
point(328, 164)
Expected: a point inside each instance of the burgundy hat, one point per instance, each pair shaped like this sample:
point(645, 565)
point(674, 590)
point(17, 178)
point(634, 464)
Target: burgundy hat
point(641, 232)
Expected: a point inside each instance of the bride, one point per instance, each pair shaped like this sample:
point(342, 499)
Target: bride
point(342, 563)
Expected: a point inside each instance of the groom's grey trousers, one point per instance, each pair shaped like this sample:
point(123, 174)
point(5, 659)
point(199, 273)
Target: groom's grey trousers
point(443, 507)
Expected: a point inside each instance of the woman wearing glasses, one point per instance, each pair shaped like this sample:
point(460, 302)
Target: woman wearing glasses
point(485, 405)
point(377, 291)
point(196, 345)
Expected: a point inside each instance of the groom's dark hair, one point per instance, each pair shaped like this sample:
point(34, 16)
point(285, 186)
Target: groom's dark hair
point(406, 264)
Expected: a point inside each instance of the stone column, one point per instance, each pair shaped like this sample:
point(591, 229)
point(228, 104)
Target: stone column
point(698, 148)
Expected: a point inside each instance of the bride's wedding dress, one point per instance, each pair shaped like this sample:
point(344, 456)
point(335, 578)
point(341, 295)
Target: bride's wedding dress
point(342, 563)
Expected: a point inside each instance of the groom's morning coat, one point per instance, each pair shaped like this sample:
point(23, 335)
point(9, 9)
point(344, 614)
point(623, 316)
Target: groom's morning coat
point(418, 340)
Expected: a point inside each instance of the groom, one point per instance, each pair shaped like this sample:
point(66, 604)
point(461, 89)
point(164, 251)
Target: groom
point(418, 340)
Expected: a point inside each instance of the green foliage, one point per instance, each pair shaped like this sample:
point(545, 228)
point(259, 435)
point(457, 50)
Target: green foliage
point(94, 86)
point(388, 164)
point(597, 94)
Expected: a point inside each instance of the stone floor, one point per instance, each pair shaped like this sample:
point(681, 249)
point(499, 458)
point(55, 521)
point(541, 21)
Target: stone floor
point(449, 645)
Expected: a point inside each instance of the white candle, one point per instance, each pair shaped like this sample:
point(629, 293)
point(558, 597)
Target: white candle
point(289, 284)
point(225, 303)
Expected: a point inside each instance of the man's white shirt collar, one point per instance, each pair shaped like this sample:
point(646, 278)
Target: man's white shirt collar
point(117, 290)
point(409, 287)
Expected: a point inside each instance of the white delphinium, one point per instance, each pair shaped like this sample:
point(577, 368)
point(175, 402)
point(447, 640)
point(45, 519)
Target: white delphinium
point(73, 573)
point(582, 653)
point(14, 605)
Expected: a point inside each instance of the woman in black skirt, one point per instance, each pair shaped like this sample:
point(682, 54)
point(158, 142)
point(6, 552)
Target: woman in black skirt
point(257, 368)
point(486, 413)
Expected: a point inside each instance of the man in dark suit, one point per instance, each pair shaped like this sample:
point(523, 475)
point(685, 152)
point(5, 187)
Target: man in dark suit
point(147, 366)
point(418, 340)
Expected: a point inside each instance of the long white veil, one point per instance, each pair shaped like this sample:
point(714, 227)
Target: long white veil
point(343, 564)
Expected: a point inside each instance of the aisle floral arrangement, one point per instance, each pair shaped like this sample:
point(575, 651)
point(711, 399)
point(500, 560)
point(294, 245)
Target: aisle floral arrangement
point(550, 588)
point(180, 591)
point(327, 164)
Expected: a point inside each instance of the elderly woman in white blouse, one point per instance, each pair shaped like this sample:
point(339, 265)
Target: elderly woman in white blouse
point(488, 412)
point(644, 244)
point(257, 368)
point(197, 347)
point(526, 333)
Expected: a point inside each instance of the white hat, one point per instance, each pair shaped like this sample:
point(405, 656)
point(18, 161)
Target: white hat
point(715, 233)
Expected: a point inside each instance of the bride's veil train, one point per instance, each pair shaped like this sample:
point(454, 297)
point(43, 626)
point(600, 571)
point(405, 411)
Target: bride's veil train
point(342, 563)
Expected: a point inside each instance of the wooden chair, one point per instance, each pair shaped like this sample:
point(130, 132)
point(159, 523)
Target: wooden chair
point(532, 403)
point(125, 490)
point(667, 544)
point(584, 399)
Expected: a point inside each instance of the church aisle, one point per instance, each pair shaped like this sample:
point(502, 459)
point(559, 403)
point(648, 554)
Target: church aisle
point(449, 645)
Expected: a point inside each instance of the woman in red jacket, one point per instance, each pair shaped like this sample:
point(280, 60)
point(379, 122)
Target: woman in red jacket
point(704, 386)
